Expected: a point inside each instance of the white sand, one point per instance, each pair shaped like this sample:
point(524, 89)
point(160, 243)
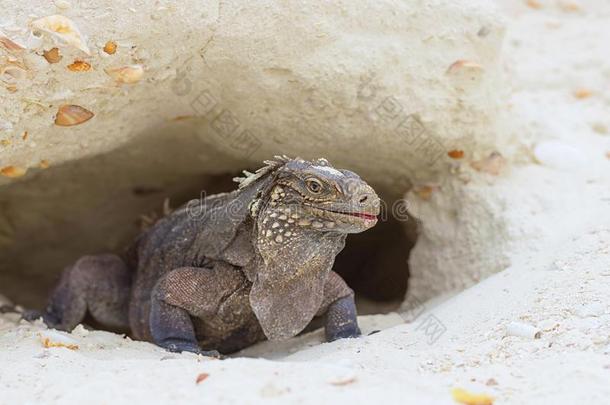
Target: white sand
point(559, 285)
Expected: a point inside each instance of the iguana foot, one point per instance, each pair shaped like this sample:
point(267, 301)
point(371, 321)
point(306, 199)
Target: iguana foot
point(179, 346)
point(350, 331)
point(32, 315)
point(98, 285)
point(341, 321)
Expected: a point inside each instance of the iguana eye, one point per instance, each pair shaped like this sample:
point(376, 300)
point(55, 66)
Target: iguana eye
point(314, 185)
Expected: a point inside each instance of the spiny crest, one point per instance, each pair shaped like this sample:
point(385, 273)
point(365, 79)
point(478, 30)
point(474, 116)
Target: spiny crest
point(270, 165)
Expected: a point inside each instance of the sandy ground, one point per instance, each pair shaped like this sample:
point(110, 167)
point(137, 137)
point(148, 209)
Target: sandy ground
point(481, 340)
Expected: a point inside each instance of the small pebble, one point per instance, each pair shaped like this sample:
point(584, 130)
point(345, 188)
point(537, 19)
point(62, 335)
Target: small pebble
point(522, 330)
point(559, 155)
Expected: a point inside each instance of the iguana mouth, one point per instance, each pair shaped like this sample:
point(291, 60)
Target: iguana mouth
point(362, 215)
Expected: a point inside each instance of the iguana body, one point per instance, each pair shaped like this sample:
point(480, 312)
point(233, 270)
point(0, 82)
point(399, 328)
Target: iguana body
point(226, 271)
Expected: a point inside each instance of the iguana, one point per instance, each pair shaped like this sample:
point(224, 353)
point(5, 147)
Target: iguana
point(225, 271)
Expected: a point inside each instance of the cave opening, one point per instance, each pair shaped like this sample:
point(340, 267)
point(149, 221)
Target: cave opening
point(374, 263)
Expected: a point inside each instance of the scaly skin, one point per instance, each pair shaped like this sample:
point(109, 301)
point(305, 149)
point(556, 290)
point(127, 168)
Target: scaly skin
point(226, 271)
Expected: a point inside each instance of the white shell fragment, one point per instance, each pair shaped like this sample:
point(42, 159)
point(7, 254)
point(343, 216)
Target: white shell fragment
point(126, 74)
point(523, 330)
point(64, 29)
point(559, 155)
point(34, 42)
point(53, 338)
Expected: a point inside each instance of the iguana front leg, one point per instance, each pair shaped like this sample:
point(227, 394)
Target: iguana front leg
point(171, 328)
point(339, 308)
point(184, 293)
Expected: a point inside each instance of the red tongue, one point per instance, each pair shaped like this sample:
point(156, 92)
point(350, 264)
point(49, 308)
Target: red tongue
point(363, 215)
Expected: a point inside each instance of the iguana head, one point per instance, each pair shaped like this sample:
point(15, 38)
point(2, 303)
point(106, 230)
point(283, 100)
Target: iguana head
point(302, 214)
point(314, 196)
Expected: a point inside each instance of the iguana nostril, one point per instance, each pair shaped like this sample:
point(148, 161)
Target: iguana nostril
point(363, 199)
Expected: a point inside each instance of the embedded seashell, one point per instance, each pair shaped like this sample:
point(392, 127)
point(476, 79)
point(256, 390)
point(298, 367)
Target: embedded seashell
point(126, 74)
point(52, 55)
point(13, 73)
point(582, 93)
point(13, 171)
point(455, 154)
point(9, 44)
point(493, 164)
point(464, 74)
point(110, 47)
point(64, 29)
point(535, 4)
point(464, 65)
point(79, 66)
point(69, 115)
